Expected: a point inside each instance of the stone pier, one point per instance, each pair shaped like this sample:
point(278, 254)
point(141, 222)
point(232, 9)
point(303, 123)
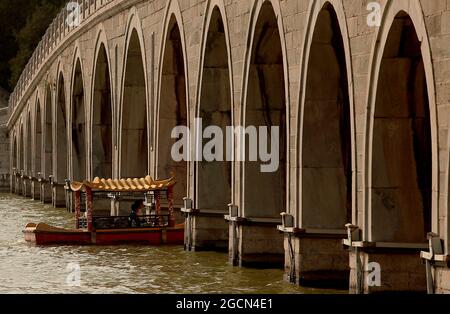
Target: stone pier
point(316, 260)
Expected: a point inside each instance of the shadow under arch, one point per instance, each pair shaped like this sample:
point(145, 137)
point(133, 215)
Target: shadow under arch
point(29, 148)
point(265, 105)
point(325, 150)
point(265, 110)
point(401, 149)
point(213, 178)
point(38, 139)
point(401, 166)
point(48, 133)
point(61, 131)
point(134, 137)
point(102, 117)
point(78, 124)
point(172, 109)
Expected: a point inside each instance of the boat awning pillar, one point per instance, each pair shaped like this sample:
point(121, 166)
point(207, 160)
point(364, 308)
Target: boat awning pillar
point(77, 208)
point(170, 200)
point(89, 209)
point(158, 203)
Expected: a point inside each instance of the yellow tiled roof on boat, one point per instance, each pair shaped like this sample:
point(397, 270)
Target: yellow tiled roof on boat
point(125, 185)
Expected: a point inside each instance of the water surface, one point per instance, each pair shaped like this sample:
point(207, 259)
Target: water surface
point(26, 268)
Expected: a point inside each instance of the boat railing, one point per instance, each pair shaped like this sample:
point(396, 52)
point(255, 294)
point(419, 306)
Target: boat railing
point(82, 223)
point(122, 222)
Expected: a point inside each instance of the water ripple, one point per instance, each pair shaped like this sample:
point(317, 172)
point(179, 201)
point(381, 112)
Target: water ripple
point(25, 268)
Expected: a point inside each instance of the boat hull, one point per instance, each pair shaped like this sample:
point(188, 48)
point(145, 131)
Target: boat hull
point(46, 235)
point(143, 236)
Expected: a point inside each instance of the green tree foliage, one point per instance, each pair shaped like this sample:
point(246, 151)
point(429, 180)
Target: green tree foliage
point(22, 25)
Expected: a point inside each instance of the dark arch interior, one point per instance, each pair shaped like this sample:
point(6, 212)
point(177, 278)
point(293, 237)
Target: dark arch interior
point(214, 178)
point(29, 159)
point(48, 134)
point(21, 150)
point(134, 148)
point(102, 119)
point(327, 164)
point(14, 154)
point(38, 139)
point(172, 109)
point(265, 192)
point(78, 126)
point(402, 156)
point(61, 133)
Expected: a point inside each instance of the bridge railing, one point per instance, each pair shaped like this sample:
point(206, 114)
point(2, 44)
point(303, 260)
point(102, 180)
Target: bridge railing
point(61, 27)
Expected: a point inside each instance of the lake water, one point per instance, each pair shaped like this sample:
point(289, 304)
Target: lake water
point(26, 268)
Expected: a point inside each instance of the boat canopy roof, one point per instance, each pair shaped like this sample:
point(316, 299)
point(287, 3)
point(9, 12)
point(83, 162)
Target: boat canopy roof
point(146, 184)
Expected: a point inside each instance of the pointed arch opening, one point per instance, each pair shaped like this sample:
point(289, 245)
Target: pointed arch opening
point(78, 126)
point(14, 163)
point(265, 192)
point(215, 111)
point(21, 166)
point(61, 132)
point(327, 154)
point(172, 109)
point(29, 147)
point(14, 154)
point(38, 140)
point(102, 145)
point(48, 129)
point(401, 146)
point(134, 141)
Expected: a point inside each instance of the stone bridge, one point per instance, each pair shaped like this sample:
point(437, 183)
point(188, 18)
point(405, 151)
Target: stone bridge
point(360, 90)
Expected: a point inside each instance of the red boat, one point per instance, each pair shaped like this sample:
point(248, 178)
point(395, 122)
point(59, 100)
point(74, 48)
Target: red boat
point(156, 229)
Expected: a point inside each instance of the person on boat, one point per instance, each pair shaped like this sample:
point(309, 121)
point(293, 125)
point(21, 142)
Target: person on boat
point(136, 211)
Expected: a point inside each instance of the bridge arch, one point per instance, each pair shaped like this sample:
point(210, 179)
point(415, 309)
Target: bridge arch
point(265, 195)
point(18, 135)
point(21, 166)
point(78, 119)
point(327, 159)
point(401, 184)
point(173, 99)
point(102, 111)
point(61, 125)
point(38, 130)
point(215, 107)
point(13, 158)
point(48, 132)
point(134, 157)
point(14, 153)
point(29, 146)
